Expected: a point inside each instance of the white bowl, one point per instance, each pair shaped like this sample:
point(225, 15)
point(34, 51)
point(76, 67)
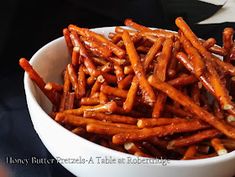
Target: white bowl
point(65, 146)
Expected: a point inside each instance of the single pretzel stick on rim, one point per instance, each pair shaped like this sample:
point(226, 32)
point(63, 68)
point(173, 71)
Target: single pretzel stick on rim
point(38, 80)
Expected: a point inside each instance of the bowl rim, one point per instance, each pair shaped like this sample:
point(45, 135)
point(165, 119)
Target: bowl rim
point(173, 163)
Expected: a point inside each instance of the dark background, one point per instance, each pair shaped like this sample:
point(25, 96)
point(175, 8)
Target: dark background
point(28, 25)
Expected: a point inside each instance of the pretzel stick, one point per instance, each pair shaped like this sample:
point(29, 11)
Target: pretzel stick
point(95, 88)
point(132, 24)
point(208, 43)
point(191, 151)
point(52, 86)
point(228, 143)
point(109, 78)
point(191, 106)
point(128, 70)
point(147, 91)
point(132, 148)
point(117, 61)
point(159, 105)
point(143, 134)
point(151, 122)
point(115, 37)
point(75, 56)
point(81, 121)
point(86, 60)
point(108, 108)
point(161, 72)
point(69, 101)
point(89, 101)
point(110, 117)
point(73, 79)
point(228, 42)
point(182, 80)
point(218, 50)
point(106, 130)
point(131, 95)
point(195, 94)
point(198, 45)
point(103, 98)
point(79, 131)
point(171, 71)
point(106, 67)
point(193, 139)
point(38, 80)
point(66, 89)
point(85, 32)
point(68, 40)
point(126, 82)
point(152, 52)
point(158, 33)
point(114, 91)
point(81, 81)
point(147, 31)
point(218, 146)
point(120, 30)
point(118, 70)
point(221, 92)
point(98, 60)
point(91, 80)
point(195, 57)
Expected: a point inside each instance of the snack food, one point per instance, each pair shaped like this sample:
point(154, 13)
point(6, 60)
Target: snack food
point(92, 90)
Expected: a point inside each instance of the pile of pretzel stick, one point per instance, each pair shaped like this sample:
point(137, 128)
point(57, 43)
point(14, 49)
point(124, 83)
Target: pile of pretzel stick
point(147, 92)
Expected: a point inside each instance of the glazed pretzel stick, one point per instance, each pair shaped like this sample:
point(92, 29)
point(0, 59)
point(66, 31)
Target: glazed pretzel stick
point(110, 117)
point(161, 72)
point(193, 139)
point(131, 95)
point(148, 93)
point(143, 134)
point(152, 52)
point(150, 122)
